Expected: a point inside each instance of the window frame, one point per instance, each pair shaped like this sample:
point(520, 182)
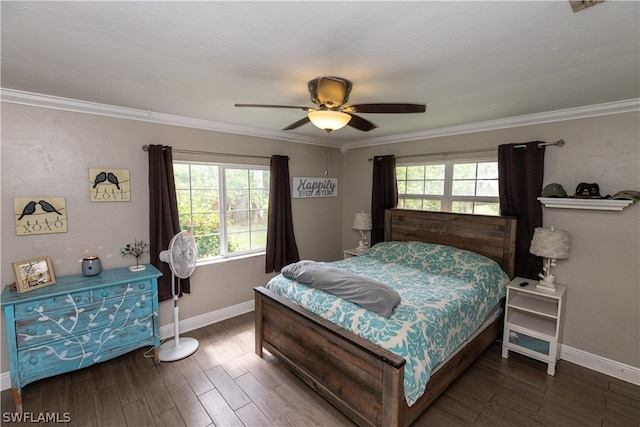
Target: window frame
point(447, 198)
point(223, 208)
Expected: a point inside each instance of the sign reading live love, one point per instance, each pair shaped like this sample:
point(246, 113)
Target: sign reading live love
point(314, 187)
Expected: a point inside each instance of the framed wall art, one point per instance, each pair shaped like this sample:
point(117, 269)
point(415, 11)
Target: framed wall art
point(109, 185)
point(33, 274)
point(40, 215)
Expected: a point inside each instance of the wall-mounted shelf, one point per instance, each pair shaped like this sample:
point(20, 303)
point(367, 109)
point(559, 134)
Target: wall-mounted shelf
point(597, 204)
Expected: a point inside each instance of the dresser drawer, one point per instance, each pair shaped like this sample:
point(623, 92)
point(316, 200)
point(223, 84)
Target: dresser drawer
point(33, 308)
point(81, 351)
point(77, 299)
point(72, 322)
point(120, 290)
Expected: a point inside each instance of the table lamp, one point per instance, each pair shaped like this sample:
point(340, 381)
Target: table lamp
point(362, 223)
point(552, 245)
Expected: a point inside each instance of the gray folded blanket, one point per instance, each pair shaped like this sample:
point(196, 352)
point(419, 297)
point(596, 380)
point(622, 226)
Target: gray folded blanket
point(367, 293)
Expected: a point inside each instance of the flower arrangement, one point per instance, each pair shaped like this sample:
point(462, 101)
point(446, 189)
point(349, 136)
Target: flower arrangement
point(136, 249)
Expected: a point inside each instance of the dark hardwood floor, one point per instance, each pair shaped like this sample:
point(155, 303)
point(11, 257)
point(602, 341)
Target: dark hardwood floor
point(225, 384)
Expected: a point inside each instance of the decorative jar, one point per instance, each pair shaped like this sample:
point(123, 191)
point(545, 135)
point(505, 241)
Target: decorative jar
point(91, 265)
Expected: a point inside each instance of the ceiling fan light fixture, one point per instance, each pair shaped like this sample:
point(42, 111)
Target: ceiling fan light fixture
point(329, 120)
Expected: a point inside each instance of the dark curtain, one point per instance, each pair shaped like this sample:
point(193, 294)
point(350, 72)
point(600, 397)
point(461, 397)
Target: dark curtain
point(384, 194)
point(520, 176)
point(164, 222)
point(281, 242)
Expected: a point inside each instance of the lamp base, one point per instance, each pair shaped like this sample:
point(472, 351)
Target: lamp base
point(547, 280)
point(546, 286)
point(362, 244)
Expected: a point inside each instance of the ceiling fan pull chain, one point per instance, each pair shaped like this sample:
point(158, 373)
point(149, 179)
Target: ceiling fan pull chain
point(326, 170)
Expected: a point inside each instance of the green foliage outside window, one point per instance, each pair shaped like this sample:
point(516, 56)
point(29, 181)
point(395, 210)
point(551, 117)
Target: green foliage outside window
point(462, 187)
point(238, 216)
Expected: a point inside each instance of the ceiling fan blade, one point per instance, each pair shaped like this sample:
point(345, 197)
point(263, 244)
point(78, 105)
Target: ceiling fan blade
point(275, 106)
point(302, 121)
point(387, 108)
point(360, 123)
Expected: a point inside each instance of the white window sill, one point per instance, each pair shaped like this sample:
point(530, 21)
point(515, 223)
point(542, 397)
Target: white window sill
point(229, 258)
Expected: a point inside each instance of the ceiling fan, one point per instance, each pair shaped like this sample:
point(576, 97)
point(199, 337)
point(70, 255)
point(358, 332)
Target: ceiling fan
point(331, 94)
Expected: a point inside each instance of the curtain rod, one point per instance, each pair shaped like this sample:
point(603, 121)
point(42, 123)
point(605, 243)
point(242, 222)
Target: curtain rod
point(211, 153)
point(558, 143)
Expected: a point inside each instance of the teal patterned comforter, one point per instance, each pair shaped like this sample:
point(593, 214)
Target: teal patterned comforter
point(446, 295)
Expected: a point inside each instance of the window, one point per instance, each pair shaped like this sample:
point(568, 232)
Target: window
point(223, 206)
point(453, 186)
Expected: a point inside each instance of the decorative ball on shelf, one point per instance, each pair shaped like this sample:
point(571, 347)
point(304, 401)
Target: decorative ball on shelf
point(136, 249)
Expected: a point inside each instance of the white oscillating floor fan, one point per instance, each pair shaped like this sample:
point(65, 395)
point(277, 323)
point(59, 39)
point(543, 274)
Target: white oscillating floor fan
point(181, 257)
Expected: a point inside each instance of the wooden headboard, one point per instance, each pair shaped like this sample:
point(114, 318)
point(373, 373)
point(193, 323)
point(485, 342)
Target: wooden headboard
point(491, 236)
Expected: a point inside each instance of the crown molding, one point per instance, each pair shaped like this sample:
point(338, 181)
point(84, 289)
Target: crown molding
point(617, 107)
point(79, 106)
point(59, 103)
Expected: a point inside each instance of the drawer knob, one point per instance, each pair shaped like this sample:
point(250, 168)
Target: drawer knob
point(105, 294)
point(141, 285)
point(33, 360)
point(78, 299)
point(29, 309)
point(31, 331)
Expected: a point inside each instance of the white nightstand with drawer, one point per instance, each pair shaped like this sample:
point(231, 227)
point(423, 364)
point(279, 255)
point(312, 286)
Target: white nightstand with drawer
point(532, 321)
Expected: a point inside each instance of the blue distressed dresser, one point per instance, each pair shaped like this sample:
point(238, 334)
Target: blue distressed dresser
point(79, 321)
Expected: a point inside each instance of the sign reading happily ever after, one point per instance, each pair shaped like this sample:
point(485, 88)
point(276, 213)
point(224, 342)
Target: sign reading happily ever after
point(314, 187)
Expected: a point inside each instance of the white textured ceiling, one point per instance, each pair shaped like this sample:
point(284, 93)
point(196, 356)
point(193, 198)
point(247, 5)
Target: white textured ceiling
point(468, 61)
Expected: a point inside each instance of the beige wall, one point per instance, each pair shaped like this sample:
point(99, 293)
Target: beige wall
point(603, 274)
point(49, 152)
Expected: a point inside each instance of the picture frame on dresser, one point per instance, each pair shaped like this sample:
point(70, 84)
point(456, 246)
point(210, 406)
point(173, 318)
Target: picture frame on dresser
point(33, 274)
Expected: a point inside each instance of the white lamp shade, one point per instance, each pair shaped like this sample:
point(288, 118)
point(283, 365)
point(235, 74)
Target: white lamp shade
point(329, 120)
point(550, 243)
point(362, 221)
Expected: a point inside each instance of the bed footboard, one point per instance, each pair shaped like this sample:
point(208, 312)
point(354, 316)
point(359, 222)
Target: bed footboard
point(356, 376)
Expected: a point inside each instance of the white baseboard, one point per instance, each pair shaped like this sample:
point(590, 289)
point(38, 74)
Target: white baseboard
point(582, 358)
point(600, 364)
point(210, 318)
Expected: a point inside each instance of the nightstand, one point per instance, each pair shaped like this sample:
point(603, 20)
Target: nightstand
point(348, 253)
point(532, 321)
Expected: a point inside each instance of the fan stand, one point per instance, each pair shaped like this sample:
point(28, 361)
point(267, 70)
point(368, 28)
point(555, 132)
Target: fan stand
point(178, 348)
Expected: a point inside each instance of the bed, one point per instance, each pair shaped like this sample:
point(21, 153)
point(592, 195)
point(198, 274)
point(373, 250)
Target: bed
point(365, 380)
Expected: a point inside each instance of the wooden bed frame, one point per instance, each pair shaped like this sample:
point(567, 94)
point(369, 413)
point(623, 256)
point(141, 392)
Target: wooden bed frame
point(361, 379)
